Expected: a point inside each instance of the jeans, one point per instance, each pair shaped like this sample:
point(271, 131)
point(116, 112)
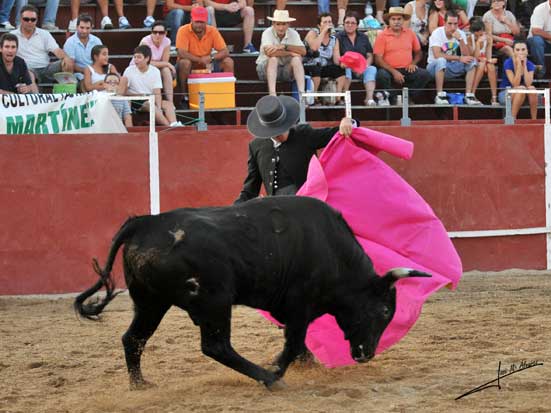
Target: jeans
point(538, 47)
point(5, 10)
point(174, 19)
point(323, 6)
point(415, 81)
point(50, 12)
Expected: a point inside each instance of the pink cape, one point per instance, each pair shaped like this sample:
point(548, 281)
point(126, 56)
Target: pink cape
point(394, 225)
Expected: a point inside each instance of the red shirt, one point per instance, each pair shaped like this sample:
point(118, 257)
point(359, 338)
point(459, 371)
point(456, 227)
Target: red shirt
point(180, 2)
point(397, 51)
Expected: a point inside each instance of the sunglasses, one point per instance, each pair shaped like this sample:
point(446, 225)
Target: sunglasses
point(29, 19)
point(159, 32)
point(112, 82)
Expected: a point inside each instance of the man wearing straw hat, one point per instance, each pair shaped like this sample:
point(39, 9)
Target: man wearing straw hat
point(397, 53)
point(281, 51)
point(281, 150)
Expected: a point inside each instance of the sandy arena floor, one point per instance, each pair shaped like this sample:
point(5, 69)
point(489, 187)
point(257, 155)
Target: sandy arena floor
point(52, 362)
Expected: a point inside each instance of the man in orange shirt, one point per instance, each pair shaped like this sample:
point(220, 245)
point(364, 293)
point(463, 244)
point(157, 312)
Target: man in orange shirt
point(397, 52)
point(195, 42)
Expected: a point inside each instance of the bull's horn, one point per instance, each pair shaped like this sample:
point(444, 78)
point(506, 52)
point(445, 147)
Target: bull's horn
point(391, 277)
point(402, 272)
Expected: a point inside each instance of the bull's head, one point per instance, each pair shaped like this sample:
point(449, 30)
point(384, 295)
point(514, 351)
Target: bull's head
point(365, 314)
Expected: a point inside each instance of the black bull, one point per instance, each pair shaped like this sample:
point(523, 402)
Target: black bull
point(295, 257)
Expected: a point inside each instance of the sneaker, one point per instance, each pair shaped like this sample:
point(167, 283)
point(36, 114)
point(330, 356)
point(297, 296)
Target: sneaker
point(382, 98)
point(124, 23)
point(250, 49)
point(7, 26)
point(49, 26)
point(148, 21)
point(539, 72)
point(441, 99)
point(106, 23)
point(72, 25)
point(370, 102)
point(471, 99)
point(176, 124)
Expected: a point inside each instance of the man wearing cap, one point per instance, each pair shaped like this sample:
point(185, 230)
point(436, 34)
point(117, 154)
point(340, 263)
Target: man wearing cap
point(281, 52)
point(195, 42)
point(281, 150)
point(397, 52)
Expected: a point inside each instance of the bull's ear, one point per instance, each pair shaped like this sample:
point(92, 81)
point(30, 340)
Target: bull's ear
point(391, 277)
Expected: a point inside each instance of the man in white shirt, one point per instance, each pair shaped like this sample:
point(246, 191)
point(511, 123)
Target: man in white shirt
point(145, 79)
point(281, 52)
point(34, 46)
point(450, 57)
point(539, 37)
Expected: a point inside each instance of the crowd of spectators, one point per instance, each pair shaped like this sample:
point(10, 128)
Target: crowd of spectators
point(442, 33)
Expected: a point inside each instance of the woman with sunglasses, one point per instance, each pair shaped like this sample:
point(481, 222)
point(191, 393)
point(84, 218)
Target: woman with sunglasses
point(94, 74)
point(159, 44)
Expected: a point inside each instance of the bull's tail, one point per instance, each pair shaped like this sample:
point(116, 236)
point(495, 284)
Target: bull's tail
point(93, 309)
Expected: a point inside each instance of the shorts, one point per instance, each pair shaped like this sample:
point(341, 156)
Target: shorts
point(227, 19)
point(452, 69)
point(284, 70)
point(369, 74)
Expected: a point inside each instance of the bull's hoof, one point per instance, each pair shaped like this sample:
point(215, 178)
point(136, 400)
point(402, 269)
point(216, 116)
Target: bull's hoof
point(142, 385)
point(277, 385)
point(274, 368)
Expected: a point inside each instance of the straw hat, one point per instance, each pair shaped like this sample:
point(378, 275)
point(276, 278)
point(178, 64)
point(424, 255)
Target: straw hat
point(397, 11)
point(281, 16)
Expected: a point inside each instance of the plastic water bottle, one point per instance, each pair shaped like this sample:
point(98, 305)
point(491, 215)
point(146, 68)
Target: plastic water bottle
point(368, 9)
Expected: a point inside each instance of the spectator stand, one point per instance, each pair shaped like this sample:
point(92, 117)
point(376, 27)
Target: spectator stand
point(248, 88)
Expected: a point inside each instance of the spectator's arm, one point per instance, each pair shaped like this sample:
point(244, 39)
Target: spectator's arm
point(512, 24)
point(536, 31)
point(221, 54)
point(380, 62)
point(301, 50)
point(187, 55)
point(60, 54)
point(158, 98)
point(128, 121)
point(88, 86)
point(408, 10)
point(369, 59)
point(464, 19)
point(417, 56)
point(433, 21)
point(313, 40)
point(337, 53)
point(437, 52)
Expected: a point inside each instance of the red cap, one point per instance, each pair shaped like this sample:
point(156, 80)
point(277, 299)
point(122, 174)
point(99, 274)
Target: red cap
point(354, 61)
point(199, 14)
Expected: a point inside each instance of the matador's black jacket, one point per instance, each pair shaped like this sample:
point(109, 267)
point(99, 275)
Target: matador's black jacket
point(294, 157)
